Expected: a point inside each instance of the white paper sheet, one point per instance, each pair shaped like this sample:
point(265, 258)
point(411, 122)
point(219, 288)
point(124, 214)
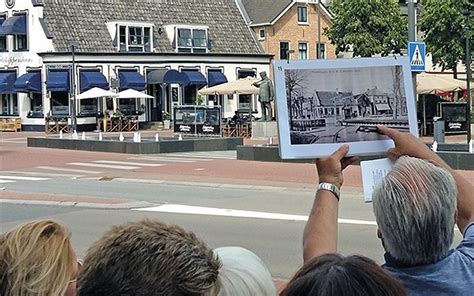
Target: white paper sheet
point(373, 172)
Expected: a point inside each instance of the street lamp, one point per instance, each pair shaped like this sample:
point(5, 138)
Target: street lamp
point(73, 45)
point(467, 14)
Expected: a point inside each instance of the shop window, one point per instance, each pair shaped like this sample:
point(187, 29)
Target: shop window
point(321, 50)
point(302, 14)
point(36, 105)
point(134, 38)
point(128, 106)
point(60, 103)
point(284, 48)
point(88, 107)
point(303, 51)
point(9, 104)
point(3, 38)
point(191, 40)
point(244, 102)
point(20, 42)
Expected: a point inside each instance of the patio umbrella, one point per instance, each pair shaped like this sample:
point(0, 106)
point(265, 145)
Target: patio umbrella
point(132, 94)
point(240, 86)
point(437, 83)
point(96, 93)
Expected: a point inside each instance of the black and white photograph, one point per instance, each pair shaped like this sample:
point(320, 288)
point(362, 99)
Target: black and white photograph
point(334, 105)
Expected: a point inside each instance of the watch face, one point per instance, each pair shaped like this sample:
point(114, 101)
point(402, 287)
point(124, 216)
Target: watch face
point(10, 3)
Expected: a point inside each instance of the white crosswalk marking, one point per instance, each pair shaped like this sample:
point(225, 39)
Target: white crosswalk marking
point(43, 174)
point(166, 159)
point(231, 154)
point(23, 178)
point(99, 165)
point(129, 163)
point(67, 170)
point(6, 181)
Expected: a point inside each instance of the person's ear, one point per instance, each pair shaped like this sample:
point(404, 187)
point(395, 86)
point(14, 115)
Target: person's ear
point(379, 234)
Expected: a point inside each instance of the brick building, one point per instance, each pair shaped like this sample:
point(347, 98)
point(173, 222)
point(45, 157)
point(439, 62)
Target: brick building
point(293, 27)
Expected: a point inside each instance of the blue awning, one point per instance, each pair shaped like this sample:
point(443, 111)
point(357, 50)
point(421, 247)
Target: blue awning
point(7, 79)
point(28, 82)
point(132, 79)
point(173, 76)
point(58, 81)
point(156, 76)
point(195, 78)
point(90, 79)
point(215, 78)
point(14, 25)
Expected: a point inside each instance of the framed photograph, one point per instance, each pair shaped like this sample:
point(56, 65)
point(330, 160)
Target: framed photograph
point(322, 104)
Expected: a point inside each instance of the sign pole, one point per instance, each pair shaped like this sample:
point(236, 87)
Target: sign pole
point(468, 73)
point(412, 33)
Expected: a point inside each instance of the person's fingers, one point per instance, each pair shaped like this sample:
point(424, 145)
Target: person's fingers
point(346, 161)
point(341, 152)
point(393, 153)
point(391, 133)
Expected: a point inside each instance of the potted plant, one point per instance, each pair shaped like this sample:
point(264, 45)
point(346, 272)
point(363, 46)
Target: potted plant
point(166, 120)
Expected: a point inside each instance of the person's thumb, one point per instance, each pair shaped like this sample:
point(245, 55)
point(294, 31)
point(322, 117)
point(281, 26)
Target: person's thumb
point(341, 152)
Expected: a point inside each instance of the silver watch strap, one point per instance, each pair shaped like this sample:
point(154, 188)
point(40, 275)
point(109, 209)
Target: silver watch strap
point(329, 187)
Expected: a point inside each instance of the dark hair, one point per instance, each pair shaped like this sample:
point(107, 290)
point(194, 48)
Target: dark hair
point(333, 274)
point(148, 258)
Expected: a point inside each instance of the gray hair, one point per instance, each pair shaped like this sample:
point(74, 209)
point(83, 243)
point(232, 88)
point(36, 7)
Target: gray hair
point(243, 273)
point(414, 207)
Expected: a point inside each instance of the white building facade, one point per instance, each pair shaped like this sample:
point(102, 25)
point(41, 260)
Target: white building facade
point(53, 50)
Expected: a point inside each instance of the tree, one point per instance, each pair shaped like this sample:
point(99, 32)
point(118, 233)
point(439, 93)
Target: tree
point(443, 23)
point(367, 27)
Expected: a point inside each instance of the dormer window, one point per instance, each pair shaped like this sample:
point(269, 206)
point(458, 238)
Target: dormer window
point(191, 40)
point(134, 38)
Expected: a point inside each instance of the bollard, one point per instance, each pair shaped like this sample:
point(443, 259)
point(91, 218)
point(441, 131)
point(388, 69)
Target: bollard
point(60, 134)
point(434, 147)
point(83, 136)
point(471, 146)
point(139, 137)
point(157, 138)
point(180, 138)
point(121, 138)
point(100, 136)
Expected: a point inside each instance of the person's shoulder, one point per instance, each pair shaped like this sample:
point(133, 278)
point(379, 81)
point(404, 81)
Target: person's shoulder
point(466, 247)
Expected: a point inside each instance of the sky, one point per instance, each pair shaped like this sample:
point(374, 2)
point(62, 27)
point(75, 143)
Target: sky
point(355, 80)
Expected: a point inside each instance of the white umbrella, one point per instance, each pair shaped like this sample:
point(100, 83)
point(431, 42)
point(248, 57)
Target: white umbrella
point(241, 86)
point(132, 94)
point(96, 93)
point(437, 83)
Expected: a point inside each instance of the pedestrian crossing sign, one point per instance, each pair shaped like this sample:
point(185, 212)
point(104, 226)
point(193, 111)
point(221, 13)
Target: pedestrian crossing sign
point(417, 55)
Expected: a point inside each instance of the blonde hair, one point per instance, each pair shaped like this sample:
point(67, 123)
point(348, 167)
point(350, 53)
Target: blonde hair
point(36, 258)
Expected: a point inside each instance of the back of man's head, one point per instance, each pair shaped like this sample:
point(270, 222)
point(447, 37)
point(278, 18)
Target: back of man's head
point(415, 208)
point(148, 258)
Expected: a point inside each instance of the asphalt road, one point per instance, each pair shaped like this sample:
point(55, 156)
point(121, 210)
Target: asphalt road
point(260, 206)
point(276, 239)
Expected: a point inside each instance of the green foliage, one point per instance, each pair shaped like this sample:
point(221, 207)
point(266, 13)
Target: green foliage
point(443, 23)
point(369, 27)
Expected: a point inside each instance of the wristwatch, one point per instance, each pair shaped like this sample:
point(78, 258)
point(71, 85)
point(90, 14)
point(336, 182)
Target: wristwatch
point(330, 187)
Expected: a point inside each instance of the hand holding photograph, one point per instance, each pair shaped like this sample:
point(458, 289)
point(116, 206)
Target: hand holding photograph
point(324, 103)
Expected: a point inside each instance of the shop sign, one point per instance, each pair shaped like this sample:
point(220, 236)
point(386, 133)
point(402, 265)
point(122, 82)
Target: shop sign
point(14, 60)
